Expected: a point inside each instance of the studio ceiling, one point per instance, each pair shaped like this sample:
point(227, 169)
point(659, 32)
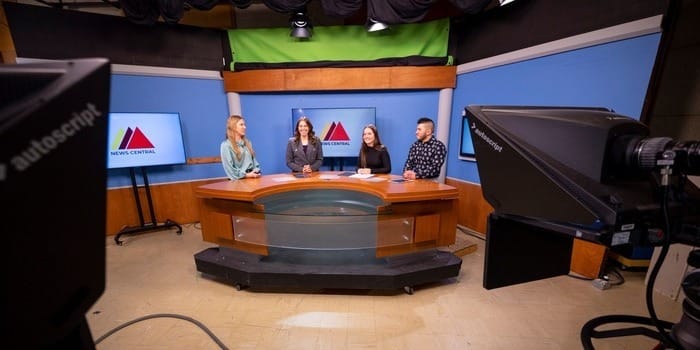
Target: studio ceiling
point(274, 13)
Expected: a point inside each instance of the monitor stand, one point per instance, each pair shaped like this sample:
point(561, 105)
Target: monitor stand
point(143, 226)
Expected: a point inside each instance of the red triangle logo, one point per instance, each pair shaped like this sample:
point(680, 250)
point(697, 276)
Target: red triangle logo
point(338, 133)
point(329, 132)
point(139, 140)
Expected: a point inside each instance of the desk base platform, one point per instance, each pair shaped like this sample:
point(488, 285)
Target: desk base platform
point(306, 269)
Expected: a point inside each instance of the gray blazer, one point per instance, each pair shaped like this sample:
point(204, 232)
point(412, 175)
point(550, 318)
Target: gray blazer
point(296, 158)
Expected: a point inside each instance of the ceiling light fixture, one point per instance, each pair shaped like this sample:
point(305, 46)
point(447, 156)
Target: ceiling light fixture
point(373, 25)
point(300, 25)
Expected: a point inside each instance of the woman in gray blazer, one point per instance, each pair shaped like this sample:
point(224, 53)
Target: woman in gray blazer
point(304, 150)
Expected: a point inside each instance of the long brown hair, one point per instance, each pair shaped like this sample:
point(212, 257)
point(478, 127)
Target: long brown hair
point(231, 136)
point(377, 144)
point(312, 136)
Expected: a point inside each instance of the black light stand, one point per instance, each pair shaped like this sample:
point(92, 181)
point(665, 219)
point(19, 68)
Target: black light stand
point(680, 336)
point(143, 226)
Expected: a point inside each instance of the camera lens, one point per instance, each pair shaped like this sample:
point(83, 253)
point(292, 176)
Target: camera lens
point(646, 153)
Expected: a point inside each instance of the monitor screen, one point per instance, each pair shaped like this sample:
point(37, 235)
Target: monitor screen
point(144, 139)
point(340, 129)
point(466, 147)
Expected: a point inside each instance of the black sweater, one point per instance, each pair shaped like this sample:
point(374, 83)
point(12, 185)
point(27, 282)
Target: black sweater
point(377, 160)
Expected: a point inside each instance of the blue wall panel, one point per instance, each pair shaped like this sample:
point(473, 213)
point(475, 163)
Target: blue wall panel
point(269, 121)
point(612, 75)
point(203, 110)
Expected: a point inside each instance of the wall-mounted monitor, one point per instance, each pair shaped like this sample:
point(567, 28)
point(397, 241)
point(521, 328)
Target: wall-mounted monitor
point(466, 147)
point(144, 139)
point(340, 129)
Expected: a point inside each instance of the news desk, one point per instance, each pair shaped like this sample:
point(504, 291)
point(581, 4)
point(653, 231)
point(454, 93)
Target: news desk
point(328, 231)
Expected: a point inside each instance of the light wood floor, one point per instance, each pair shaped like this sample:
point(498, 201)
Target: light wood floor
point(154, 273)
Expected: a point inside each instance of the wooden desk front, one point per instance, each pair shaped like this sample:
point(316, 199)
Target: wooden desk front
point(431, 206)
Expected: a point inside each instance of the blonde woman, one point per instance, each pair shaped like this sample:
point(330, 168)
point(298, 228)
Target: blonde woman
point(237, 155)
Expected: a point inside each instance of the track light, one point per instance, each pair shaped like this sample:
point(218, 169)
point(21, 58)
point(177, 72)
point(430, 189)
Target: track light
point(300, 25)
point(373, 25)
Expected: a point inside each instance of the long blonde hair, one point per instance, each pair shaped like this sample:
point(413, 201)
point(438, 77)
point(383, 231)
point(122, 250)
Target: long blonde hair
point(231, 136)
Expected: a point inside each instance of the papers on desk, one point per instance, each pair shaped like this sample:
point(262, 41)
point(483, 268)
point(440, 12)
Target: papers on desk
point(361, 176)
point(374, 179)
point(284, 178)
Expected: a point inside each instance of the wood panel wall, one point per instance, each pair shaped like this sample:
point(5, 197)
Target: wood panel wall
point(341, 79)
point(473, 209)
point(7, 47)
point(175, 201)
point(587, 258)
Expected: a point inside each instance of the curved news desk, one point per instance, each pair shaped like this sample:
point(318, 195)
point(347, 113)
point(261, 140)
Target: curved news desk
point(328, 231)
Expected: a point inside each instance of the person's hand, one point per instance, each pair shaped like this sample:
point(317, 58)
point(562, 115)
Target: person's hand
point(253, 174)
point(409, 175)
point(364, 171)
point(306, 168)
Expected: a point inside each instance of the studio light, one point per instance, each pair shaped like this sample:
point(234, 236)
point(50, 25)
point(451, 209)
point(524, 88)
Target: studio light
point(373, 25)
point(300, 25)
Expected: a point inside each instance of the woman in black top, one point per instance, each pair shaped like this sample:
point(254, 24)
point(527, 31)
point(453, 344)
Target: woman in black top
point(374, 157)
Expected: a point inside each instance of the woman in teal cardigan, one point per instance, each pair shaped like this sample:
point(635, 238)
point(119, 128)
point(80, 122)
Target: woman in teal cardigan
point(237, 154)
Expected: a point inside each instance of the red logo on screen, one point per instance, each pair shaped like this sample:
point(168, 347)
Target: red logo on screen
point(133, 139)
point(334, 132)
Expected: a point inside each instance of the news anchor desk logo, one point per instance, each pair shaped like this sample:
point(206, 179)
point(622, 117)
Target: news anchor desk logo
point(127, 142)
point(335, 134)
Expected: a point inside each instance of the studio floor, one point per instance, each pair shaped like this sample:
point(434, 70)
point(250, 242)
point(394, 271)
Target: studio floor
point(154, 274)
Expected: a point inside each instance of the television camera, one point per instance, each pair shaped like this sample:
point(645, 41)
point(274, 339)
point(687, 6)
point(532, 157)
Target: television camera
point(592, 174)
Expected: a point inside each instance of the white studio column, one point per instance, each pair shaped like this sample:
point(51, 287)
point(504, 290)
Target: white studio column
point(443, 124)
point(234, 103)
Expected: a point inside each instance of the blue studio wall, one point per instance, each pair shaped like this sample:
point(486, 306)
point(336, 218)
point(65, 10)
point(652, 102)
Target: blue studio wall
point(269, 122)
point(203, 109)
point(613, 75)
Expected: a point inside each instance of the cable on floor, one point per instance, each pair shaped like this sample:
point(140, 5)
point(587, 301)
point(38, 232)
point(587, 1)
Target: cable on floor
point(580, 277)
point(470, 232)
point(148, 317)
point(617, 279)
